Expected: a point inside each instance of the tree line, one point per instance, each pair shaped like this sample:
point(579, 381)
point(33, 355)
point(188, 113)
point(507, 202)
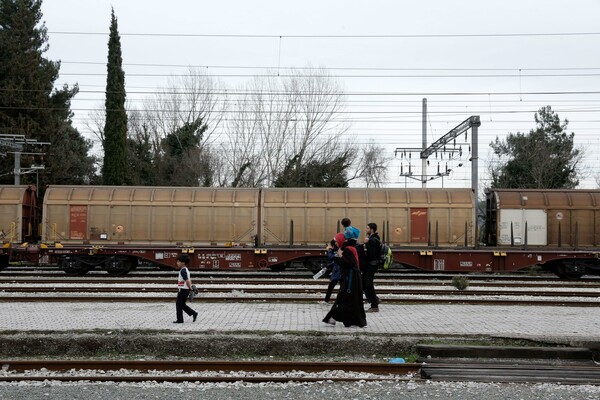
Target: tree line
point(282, 131)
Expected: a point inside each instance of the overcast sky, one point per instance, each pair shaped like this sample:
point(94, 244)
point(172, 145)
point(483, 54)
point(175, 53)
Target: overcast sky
point(501, 60)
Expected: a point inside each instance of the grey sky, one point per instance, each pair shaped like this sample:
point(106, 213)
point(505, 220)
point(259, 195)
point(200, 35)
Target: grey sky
point(514, 75)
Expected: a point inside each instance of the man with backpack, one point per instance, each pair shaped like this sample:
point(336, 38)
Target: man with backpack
point(373, 257)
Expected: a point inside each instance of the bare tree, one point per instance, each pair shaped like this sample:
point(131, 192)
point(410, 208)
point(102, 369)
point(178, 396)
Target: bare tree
point(95, 122)
point(187, 99)
point(317, 99)
point(191, 102)
point(277, 120)
point(372, 165)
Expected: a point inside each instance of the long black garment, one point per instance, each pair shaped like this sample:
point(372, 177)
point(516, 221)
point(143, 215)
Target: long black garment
point(348, 307)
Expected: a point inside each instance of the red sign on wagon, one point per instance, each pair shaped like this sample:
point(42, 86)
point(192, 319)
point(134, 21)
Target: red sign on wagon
point(78, 225)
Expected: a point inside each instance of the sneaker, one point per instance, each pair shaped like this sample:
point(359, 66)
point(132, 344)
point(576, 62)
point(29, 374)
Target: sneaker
point(178, 322)
point(373, 309)
point(330, 321)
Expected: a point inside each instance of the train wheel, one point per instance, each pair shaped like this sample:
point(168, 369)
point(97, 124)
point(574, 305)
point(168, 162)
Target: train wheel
point(73, 266)
point(278, 267)
point(4, 260)
point(118, 266)
point(569, 271)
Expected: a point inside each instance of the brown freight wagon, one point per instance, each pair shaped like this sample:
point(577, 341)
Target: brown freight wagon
point(185, 216)
point(18, 220)
point(221, 216)
point(543, 217)
point(113, 227)
point(405, 217)
point(18, 214)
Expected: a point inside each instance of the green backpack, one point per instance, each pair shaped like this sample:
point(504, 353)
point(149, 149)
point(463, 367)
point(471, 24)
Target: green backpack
point(386, 257)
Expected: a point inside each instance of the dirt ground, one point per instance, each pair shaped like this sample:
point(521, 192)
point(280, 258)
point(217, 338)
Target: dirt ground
point(165, 345)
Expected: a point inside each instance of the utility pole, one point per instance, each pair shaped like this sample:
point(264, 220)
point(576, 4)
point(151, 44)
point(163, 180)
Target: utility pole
point(424, 143)
point(439, 145)
point(18, 143)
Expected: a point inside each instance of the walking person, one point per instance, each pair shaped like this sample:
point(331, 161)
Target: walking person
point(373, 260)
point(184, 284)
point(336, 272)
point(348, 307)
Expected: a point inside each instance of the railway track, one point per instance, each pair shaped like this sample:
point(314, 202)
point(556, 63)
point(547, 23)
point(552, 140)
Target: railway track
point(202, 371)
point(286, 371)
point(235, 288)
point(297, 274)
point(299, 281)
point(237, 299)
point(314, 290)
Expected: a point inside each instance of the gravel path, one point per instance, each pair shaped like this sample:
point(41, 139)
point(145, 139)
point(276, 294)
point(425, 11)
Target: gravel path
point(322, 390)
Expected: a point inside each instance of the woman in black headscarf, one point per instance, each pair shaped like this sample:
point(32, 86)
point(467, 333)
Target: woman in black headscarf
point(348, 307)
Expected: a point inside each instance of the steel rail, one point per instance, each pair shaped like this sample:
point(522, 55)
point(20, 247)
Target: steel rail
point(89, 368)
point(302, 275)
point(315, 290)
point(133, 371)
point(237, 299)
point(278, 281)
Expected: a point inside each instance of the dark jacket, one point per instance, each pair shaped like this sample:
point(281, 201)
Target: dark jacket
point(373, 250)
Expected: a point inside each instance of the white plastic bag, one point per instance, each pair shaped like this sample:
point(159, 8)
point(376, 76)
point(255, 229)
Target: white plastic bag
point(320, 273)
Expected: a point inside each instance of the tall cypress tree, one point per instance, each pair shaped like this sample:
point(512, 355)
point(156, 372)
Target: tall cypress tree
point(114, 169)
point(29, 103)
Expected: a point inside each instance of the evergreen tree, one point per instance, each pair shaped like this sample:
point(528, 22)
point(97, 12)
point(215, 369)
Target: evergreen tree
point(315, 173)
point(140, 162)
point(545, 158)
point(114, 169)
point(183, 162)
point(29, 104)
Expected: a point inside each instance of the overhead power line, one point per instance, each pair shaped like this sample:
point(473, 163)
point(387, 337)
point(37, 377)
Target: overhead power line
point(286, 75)
point(308, 68)
point(274, 36)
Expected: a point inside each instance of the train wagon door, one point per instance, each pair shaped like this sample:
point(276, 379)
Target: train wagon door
point(78, 222)
point(418, 225)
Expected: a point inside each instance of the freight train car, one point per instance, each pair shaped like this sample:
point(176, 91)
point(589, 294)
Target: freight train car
point(311, 217)
point(266, 217)
point(100, 226)
point(18, 220)
point(552, 219)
